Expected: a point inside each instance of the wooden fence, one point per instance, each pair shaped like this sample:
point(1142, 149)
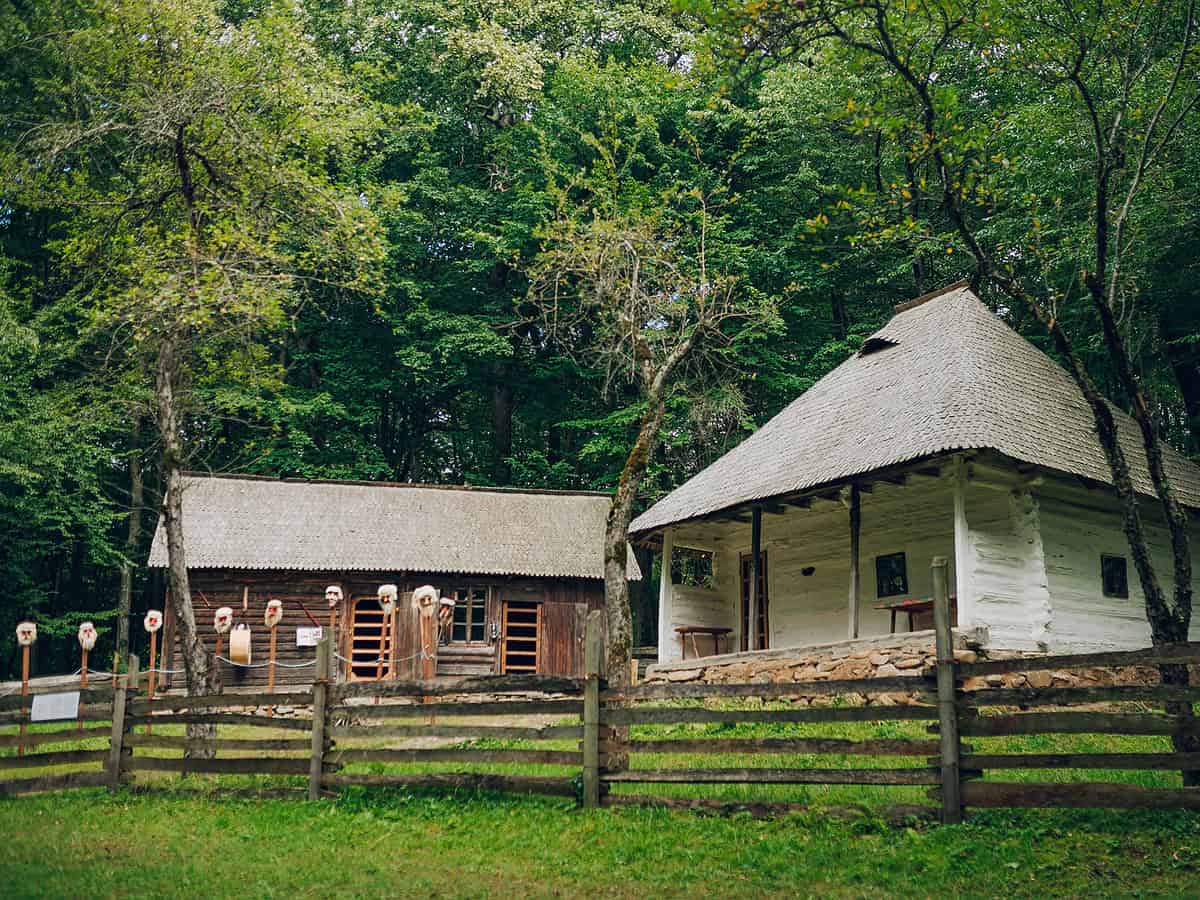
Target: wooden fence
point(607, 746)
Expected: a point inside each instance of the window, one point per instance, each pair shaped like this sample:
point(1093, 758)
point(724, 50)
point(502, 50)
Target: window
point(891, 575)
point(1114, 576)
point(692, 568)
point(470, 616)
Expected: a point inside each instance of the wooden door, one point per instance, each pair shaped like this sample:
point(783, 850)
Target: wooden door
point(368, 641)
point(764, 619)
point(520, 636)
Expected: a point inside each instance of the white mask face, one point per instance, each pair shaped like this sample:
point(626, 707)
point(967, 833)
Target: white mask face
point(274, 613)
point(87, 635)
point(153, 620)
point(387, 598)
point(26, 634)
point(333, 595)
point(223, 620)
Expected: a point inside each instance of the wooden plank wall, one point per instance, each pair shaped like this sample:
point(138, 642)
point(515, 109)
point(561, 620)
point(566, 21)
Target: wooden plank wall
point(566, 604)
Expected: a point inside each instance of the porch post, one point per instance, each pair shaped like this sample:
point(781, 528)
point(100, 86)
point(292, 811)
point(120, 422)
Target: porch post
point(855, 527)
point(755, 639)
point(665, 597)
point(962, 546)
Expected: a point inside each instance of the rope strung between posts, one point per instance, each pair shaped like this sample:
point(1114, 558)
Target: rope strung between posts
point(420, 654)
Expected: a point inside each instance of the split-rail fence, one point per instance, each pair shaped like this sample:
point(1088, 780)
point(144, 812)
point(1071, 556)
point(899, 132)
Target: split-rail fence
point(589, 741)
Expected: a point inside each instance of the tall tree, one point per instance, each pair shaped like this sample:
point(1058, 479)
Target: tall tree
point(195, 157)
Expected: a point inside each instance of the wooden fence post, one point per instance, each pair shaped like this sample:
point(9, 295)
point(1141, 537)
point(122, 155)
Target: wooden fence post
point(952, 812)
point(320, 689)
point(116, 745)
point(591, 711)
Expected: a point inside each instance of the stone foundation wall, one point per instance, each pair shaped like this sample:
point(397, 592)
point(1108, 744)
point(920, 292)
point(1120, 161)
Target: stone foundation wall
point(898, 655)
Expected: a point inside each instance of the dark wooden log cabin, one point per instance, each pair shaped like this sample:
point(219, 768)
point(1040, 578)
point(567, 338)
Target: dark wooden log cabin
point(524, 568)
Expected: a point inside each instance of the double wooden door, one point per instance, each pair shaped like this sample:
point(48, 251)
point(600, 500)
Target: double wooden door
point(746, 561)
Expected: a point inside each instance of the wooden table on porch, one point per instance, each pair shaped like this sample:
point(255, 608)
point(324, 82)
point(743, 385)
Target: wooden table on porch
point(910, 605)
point(715, 633)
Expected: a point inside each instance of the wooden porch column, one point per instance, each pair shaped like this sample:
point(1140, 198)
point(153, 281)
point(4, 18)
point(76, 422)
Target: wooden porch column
point(665, 598)
point(962, 546)
point(755, 639)
point(855, 527)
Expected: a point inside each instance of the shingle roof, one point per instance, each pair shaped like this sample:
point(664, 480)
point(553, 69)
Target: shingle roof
point(257, 523)
point(944, 374)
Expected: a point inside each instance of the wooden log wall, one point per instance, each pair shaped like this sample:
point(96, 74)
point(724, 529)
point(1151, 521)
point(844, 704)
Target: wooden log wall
point(566, 603)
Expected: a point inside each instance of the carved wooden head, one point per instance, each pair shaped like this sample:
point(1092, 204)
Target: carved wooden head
point(26, 634)
point(153, 620)
point(223, 619)
point(425, 597)
point(274, 613)
point(333, 595)
point(87, 635)
point(387, 598)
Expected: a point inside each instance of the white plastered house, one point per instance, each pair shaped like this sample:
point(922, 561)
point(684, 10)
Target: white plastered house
point(949, 435)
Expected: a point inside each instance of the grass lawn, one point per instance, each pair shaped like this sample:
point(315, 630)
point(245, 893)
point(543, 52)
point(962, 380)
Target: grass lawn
point(397, 843)
point(192, 837)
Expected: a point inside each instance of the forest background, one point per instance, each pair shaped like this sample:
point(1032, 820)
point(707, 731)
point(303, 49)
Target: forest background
point(441, 143)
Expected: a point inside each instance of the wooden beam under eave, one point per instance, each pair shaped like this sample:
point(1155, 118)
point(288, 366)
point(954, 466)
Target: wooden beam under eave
point(855, 529)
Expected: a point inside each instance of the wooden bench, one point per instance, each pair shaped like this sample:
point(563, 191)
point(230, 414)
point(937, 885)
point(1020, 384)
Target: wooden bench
point(684, 631)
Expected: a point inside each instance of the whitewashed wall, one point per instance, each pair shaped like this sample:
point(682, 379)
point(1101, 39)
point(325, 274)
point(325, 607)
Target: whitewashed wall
point(1077, 528)
point(1003, 581)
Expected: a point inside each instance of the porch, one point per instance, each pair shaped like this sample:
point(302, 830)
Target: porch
point(849, 562)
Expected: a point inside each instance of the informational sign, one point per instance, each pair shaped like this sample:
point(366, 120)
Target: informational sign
point(52, 707)
point(309, 637)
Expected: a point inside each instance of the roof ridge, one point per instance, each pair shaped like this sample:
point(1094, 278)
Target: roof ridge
point(475, 488)
point(932, 295)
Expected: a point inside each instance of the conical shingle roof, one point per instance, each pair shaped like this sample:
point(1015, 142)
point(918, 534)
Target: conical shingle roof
point(944, 374)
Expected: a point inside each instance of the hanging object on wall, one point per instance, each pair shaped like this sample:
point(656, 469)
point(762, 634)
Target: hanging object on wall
point(239, 645)
point(26, 635)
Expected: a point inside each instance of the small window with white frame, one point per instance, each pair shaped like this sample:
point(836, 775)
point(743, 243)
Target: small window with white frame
point(470, 616)
point(1114, 576)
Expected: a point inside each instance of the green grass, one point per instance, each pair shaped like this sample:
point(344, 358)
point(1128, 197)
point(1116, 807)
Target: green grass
point(192, 837)
point(410, 844)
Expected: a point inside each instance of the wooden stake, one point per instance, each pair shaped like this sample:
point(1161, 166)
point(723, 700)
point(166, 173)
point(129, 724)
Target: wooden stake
point(320, 690)
point(24, 692)
point(82, 685)
point(591, 709)
point(271, 668)
point(117, 740)
point(391, 639)
point(952, 812)
point(153, 675)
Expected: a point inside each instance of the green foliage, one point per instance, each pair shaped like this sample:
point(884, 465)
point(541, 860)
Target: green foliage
point(372, 180)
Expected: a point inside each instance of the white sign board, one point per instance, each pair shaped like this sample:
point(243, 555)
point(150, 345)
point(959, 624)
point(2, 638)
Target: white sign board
point(52, 707)
point(308, 637)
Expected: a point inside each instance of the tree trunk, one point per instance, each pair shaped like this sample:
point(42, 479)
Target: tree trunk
point(616, 541)
point(197, 671)
point(502, 424)
point(132, 538)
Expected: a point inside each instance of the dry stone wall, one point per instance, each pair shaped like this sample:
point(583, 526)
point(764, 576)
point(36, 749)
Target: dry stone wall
point(898, 655)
